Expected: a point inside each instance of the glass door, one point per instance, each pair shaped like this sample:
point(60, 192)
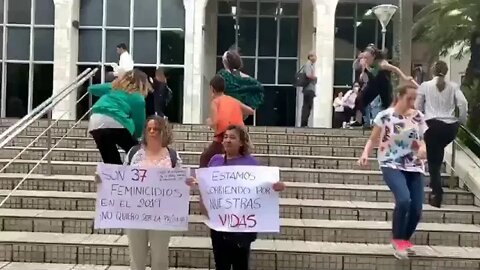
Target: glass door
point(266, 34)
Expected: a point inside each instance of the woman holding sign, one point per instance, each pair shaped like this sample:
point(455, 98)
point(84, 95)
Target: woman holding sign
point(153, 152)
point(232, 249)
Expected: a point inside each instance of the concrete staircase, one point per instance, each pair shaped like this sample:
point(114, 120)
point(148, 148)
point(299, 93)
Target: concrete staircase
point(334, 215)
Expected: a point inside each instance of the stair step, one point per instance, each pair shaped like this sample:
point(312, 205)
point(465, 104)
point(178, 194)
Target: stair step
point(289, 208)
point(42, 123)
point(339, 138)
point(293, 161)
point(198, 145)
point(298, 190)
point(300, 171)
point(196, 252)
point(58, 266)
point(343, 231)
point(84, 183)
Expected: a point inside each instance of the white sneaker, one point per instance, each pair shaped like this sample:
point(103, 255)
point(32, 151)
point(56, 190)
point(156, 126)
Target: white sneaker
point(400, 252)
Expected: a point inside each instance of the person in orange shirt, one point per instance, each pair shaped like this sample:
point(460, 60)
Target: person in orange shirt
point(224, 111)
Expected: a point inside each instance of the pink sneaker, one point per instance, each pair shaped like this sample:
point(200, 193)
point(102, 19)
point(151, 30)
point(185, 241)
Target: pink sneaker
point(409, 247)
point(401, 252)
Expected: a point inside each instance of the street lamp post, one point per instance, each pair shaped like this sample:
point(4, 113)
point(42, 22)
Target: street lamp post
point(384, 14)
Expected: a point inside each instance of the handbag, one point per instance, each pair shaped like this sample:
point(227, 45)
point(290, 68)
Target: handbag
point(301, 79)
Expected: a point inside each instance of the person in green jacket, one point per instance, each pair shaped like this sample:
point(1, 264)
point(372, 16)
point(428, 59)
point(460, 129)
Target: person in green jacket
point(118, 117)
point(240, 85)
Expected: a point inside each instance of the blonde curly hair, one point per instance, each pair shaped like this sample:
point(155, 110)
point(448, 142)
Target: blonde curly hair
point(133, 81)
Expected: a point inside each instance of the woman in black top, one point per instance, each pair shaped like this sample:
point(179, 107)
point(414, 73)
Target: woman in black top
point(379, 83)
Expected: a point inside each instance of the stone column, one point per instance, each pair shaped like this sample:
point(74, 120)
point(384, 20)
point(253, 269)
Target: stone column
point(192, 93)
point(65, 55)
point(210, 55)
point(306, 36)
point(324, 47)
point(405, 35)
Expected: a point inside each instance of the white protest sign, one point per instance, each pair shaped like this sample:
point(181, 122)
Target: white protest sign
point(240, 198)
point(142, 198)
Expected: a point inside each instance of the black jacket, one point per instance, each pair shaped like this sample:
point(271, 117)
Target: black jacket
point(156, 101)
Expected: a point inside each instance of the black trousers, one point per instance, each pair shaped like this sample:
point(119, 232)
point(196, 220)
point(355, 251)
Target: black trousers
point(229, 255)
point(107, 140)
point(339, 118)
point(369, 93)
point(307, 106)
point(348, 113)
point(438, 135)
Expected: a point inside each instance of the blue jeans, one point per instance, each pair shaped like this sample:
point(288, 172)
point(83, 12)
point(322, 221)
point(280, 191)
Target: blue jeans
point(408, 190)
point(371, 111)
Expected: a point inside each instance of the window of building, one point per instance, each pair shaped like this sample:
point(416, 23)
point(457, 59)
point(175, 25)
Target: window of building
point(26, 54)
point(266, 33)
point(355, 27)
point(152, 30)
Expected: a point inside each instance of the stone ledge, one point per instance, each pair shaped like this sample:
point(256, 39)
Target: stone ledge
point(467, 167)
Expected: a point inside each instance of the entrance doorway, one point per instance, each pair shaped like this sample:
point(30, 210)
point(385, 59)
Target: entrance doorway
point(266, 33)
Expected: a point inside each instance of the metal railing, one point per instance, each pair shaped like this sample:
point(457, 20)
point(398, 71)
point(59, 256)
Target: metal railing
point(45, 109)
point(457, 144)
point(36, 113)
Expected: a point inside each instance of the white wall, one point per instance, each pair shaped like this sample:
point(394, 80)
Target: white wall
point(456, 67)
point(65, 55)
point(210, 52)
point(306, 35)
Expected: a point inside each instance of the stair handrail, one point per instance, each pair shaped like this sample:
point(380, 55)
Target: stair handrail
point(40, 107)
point(53, 102)
point(48, 109)
point(457, 144)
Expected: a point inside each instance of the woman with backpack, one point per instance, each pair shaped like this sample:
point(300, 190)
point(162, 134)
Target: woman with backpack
point(153, 151)
point(118, 117)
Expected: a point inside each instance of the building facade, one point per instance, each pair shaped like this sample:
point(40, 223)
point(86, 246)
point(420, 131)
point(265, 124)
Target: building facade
point(47, 43)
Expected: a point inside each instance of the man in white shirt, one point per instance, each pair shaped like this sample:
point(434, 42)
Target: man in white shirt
point(126, 62)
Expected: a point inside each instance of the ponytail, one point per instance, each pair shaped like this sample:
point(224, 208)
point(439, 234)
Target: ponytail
point(441, 83)
point(440, 69)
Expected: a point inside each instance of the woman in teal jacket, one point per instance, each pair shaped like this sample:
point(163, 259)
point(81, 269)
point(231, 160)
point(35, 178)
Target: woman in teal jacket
point(239, 85)
point(118, 117)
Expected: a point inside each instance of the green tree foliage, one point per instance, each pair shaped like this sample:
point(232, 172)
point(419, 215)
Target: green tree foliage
point(455, 23)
